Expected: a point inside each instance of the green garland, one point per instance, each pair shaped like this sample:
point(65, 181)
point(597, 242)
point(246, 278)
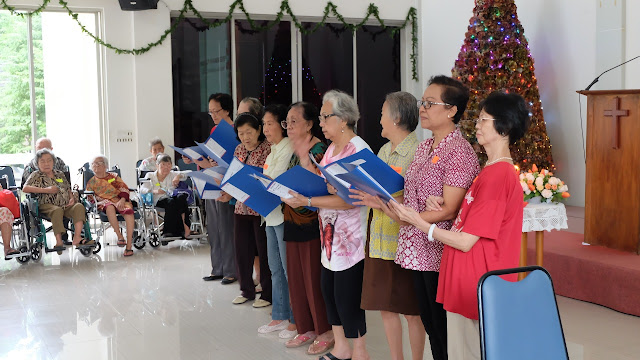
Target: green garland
point(330, 8)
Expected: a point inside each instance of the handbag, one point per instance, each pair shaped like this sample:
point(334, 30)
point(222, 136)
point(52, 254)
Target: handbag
point(182, 188)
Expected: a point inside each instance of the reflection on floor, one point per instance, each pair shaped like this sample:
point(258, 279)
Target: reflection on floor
point(154, 305)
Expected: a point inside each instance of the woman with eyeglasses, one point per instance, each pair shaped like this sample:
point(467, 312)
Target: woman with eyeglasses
point(444, 166)
point(342, 233)
point(486, 233)
point(219, 213)
point(386, 286)
point(302, 237)
point(275, 165)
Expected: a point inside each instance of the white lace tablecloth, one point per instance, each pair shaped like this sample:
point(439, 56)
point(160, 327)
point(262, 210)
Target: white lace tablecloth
point(544, 217)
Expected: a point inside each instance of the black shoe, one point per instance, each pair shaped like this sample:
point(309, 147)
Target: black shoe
point(228, 280)
point(212, 277)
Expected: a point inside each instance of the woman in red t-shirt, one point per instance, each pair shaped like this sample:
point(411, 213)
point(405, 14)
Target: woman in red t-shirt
point(486, 232)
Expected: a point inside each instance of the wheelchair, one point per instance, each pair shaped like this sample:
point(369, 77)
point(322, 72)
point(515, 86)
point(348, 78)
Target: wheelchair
point(100, 221)
point(154, 216)
point(19, 238)
point(36, 230)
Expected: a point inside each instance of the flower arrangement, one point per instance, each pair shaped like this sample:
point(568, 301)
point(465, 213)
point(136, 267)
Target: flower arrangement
point(542, 183)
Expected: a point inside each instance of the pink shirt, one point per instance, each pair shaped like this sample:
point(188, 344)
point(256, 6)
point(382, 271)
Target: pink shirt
point(342, 232)
point(452, 163)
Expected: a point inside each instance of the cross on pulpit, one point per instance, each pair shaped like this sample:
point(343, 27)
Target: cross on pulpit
point(616, 113)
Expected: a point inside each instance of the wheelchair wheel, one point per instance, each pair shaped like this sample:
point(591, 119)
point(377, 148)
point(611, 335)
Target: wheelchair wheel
point(97, 248)
point(138, 242)
point(36, 252)
point(153, 240)
point(85, 251)
point(23, 259)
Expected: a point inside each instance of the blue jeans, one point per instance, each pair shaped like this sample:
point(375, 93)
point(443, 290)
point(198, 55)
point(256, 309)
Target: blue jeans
point(277, 254)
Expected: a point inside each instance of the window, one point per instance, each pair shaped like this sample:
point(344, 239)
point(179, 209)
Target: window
point(281, 65)
point(201, 66)
point(65, 81)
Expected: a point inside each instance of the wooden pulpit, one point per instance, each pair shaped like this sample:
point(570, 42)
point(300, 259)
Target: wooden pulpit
point(612, 203)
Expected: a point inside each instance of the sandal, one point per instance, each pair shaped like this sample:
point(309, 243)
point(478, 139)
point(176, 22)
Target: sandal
point(11, 252)
point(319, 347)
point(330, 356)
point(86, 242)
point(128, 252)
point(122, 242)
point(300, 339)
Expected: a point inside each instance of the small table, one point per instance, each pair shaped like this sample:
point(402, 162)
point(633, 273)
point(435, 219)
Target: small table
point(540, 218)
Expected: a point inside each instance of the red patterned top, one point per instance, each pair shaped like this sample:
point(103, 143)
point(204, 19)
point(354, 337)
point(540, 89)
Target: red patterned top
point(452, 163)
point(256, 158)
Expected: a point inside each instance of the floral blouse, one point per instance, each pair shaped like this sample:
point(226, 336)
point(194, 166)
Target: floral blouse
point(454, 163)
point(41, 180)
point(256, 157)
point(108, 191)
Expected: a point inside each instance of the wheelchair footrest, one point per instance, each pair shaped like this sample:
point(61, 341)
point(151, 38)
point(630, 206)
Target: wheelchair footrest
point(11, 256)
point(49, 250)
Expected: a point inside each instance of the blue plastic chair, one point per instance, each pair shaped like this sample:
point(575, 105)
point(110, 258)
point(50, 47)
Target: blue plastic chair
point(519, 320)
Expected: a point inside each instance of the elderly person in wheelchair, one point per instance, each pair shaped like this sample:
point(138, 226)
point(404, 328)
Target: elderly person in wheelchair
point(55, 198)
point(112, 198)
point(161, 184)
point(8, 205)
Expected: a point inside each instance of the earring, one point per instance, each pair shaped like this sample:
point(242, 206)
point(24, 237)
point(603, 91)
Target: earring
point(449, 116)
point(343, 130)
point(395, 123)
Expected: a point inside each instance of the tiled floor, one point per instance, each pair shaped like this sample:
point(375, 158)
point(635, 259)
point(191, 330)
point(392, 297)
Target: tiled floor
point(154, 305)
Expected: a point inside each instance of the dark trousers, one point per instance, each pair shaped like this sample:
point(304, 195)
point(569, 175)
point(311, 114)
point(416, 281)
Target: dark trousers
point(342, 291)
point(303, 270)
point(249, 236)
point(174, 207)
point(220, 233)
point(433, 315)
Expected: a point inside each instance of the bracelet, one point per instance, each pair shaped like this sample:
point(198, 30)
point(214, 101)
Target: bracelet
point(309, 201)
point(430, 234)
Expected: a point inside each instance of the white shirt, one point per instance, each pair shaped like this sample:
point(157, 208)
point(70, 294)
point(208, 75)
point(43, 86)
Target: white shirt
point(276, 164)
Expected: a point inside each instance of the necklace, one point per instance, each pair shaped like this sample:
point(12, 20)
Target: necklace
point(498, 159)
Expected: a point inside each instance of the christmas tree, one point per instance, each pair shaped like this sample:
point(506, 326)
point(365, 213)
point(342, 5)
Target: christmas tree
point(495, 56)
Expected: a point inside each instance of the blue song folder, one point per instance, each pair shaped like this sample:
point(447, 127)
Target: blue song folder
point(192, 152)
point(240, 182)
point(205, 184)
point(371, 164)
point(330, 173)
point(362, 180)
point(298, 179)
point(222, 143)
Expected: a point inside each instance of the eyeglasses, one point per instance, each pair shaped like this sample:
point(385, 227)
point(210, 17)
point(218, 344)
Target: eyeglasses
point(211, 112)
point(96, 164)
point(286, 124)
point(480, 120)
point(428, 104)
point(323, 118)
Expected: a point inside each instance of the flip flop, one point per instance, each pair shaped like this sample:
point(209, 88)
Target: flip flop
point(122, 242)
point(11, 252)
point(331, 357)
point(299, 340)
point(323, 347)
point(86, 243)
point(128, 252)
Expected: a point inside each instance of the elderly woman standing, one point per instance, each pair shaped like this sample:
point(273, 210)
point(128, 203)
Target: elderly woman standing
point(387, 287)
point(343, 229)
point(161, 184)
point(55, 199)
point(486, 232)
point(112, 198)
point(445, 166)
point(275, 165)
point(302, 236)
point(249, 233)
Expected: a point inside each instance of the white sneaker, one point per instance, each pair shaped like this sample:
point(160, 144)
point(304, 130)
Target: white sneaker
point(265, 329)
point(240, 300)
point(259, 303)
point(287, 334)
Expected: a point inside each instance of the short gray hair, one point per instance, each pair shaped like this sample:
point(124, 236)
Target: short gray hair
point(402, 107)
point(163, 158)
point(40, 153)
point(155, 141)
point(255, 106)
point(102, 158)
point(344, 107)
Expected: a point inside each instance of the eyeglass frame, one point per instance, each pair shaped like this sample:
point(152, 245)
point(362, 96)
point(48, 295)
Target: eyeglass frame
point(480, 120)
point(214, 111)
point(424, 103)
point(286, 123)
point(323, 118)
